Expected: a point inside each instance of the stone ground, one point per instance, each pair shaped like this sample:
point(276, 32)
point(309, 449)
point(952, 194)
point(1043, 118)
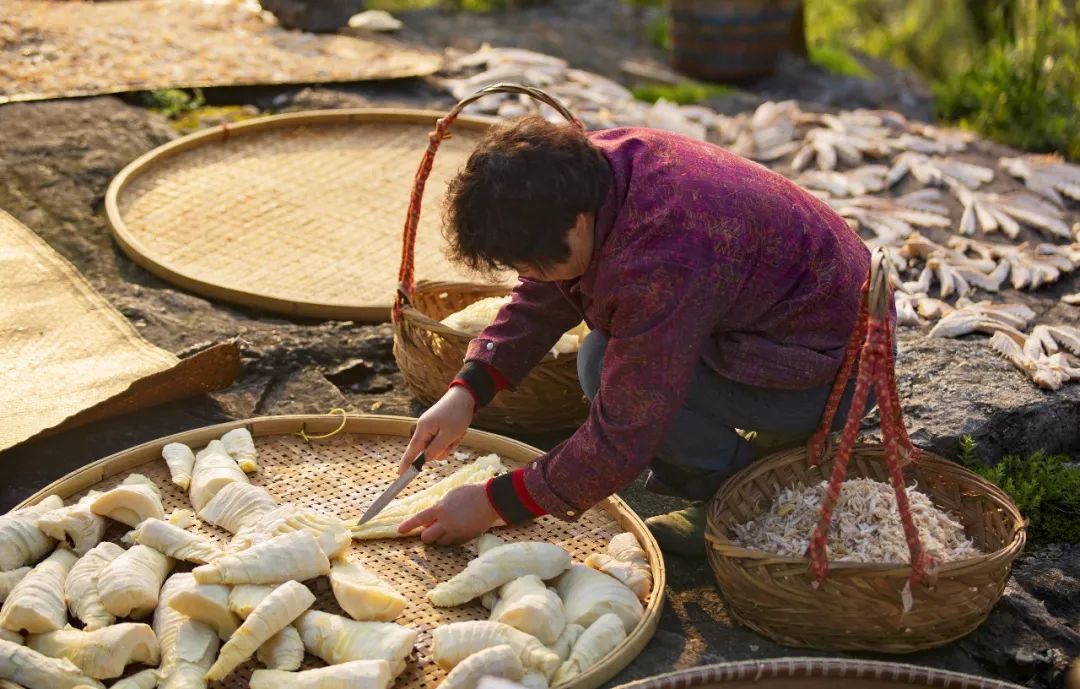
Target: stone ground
point(58, 158)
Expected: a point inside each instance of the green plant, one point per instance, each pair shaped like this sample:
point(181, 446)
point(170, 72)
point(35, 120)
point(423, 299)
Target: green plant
point(683, 93)
point(1045, 487)
point(658, 32)
point(837, 60)
point(1025, 89)
point(173, 103)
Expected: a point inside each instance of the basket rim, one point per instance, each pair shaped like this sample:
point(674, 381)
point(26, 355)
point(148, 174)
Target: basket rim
point(724, 547)
point(378, 424)
point(418, 319)
point(819, 668)
point(136, 250)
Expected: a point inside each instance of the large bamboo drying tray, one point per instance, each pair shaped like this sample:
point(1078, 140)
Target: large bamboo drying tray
point(63, 49)
point(299, 214)
point(816, 673)
point(341, 475)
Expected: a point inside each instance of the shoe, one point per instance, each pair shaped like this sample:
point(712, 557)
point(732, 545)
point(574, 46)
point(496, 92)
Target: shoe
point(765, 443)
point(681, 532)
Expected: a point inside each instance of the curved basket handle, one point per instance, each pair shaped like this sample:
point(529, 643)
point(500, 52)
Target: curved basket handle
point(406, 272)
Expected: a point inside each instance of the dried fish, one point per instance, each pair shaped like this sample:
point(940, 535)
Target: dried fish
point(1029, 268)
point(1048, 371)
point(1072, 299)
point(893, 220)
point(991, 211)
point(857, 182)
point(865, 526)
point(937, 171)
point(1047, 175)
point(768, 134)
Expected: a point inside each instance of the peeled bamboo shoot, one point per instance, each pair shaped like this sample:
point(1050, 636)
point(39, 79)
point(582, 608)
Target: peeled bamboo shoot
point(36, 605)
point(601, 637)
point(81, 586)
point(9, 579)
point(269, 617)
point(241, 447)
point(209, 604)
point(237, 505)
point(74, 524)
point(21, 542)
point(188, 648)
point(453, 643)
point(337, 639)
point(283, 651)
point(527, 604)
point(181, 460)
point(333, 536)
point(588, 594)
point(626, 561)
point(497, 661)
point(357, 674)
point(176, 542)
point(214, 469)
point(101, 654)
point(129, 585)
point(499, 566)
point(293, 556)
point(245, 597)
point(34, 670)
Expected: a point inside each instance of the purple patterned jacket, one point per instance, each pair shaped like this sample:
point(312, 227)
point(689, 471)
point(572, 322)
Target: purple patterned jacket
point(699, 254)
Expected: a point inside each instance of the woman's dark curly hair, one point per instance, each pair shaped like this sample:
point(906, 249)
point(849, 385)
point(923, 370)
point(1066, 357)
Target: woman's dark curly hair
point(519, 195)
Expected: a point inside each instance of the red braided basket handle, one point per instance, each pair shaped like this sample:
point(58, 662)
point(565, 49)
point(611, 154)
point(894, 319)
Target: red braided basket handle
point(871, 342)
point(406, 272)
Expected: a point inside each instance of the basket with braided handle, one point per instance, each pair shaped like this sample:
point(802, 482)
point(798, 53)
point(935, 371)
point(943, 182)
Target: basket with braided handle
point(429, 353)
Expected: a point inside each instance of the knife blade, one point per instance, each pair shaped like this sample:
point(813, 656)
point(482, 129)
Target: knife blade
point(396, 487)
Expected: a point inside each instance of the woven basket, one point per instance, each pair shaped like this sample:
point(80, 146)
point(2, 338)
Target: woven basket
point(429, 354)
point(859, 606)
point(816, 673)
point(342, 466)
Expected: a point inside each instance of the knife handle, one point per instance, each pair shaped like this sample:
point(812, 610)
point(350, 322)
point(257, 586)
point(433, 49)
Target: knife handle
point(418, 463)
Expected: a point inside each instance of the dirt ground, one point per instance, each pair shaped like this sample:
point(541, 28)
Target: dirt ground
point(58, 158)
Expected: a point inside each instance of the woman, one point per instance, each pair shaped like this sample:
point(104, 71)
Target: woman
point(720, 297)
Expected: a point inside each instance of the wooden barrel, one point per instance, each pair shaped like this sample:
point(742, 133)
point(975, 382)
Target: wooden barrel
point(730, 40)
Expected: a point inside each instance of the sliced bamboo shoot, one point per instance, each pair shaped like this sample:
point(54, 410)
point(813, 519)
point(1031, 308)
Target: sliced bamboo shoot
point(566, 641)
point(185, 644)
point(528, 605)
point(362, 594)
point(245, 597)
point(209, 604)
point(626, 561)
point(134, 500)
point(331, 532)
point(601, 638)
point(283, 651)
point(147, 679)
point(9, 579)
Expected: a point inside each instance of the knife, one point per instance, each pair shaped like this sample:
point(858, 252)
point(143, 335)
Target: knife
point(396, 487)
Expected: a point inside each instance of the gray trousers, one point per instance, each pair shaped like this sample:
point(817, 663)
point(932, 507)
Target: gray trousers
point(702, 448)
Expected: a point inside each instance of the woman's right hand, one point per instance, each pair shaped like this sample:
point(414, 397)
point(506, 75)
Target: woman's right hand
point(440, 428)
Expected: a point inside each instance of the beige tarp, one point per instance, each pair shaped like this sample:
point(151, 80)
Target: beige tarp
point(68, 357)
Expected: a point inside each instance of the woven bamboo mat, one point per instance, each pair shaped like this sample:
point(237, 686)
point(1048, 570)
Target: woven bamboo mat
point(342, 475)
point(67, 357)
point(61, 49)
point(300, 214)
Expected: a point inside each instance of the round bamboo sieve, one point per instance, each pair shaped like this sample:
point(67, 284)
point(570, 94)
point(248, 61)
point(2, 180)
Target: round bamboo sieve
point(341, 475)
point(298, 214)
point(816, 673)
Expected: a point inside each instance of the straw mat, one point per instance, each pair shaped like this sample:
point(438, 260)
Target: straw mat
point(61, 49)
point(67, 357)
point(300, 214)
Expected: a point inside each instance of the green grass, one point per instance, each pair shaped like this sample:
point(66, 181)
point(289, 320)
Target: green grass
point(1045, 487)
point(683, 93)
point(173, 103)
point(837, 60)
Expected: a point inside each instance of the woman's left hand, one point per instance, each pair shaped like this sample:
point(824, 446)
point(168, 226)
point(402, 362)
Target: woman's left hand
point(462, 515)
